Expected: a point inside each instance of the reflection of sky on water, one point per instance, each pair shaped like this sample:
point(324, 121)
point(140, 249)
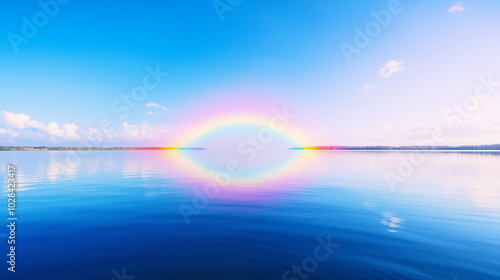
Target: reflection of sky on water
point(458, 175)
point(445, 215)
point(391, 221)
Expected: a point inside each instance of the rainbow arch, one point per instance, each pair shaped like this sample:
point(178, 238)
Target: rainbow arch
point(213, 124)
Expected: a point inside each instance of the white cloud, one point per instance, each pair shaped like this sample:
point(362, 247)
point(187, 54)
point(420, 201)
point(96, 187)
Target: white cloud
point(390, 68)
point(8, 132)
point(24, 128)
point(96, 134)
point(146, 131)
point(93, 130)
point(130, 131)
point(367, 87)
point(157, 106)
point(66, 131)
point(457, 7)
point(21, 121)
point(149, 113)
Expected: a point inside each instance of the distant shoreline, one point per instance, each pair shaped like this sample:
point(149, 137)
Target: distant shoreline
point(42, 148)
point(495, 147)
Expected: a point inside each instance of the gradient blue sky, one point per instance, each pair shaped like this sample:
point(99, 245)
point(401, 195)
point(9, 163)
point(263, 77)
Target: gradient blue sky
point(63, 80)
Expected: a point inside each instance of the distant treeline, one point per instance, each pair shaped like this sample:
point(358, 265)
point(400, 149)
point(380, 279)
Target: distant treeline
point(385, 148)
point(12, 148)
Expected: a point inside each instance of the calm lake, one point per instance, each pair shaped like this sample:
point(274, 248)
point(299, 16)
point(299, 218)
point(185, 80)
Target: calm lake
point(283, 215)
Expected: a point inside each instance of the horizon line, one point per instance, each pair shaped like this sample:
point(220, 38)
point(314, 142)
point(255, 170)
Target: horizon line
point(485, 147)
point(69, 148)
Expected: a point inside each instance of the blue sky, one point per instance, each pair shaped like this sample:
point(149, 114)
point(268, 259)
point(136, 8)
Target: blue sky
point(398, 88)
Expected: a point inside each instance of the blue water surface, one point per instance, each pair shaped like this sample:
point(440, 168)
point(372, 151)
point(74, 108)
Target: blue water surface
point(119, 215)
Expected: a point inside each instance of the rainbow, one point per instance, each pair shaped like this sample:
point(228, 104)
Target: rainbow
point(211, 125)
